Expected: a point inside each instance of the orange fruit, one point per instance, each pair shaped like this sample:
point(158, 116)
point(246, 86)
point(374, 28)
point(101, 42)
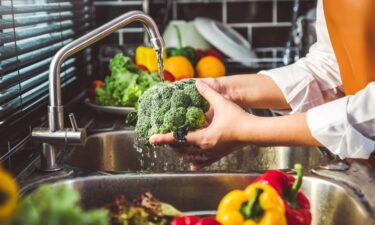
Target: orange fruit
point(210, 66)
point(179, 66)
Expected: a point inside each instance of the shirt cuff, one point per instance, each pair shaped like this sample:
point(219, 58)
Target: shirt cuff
point(301, 91)
point(330, 126)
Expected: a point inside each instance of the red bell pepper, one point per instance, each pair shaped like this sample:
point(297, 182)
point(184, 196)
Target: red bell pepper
point(297, 205)
point(193, 220)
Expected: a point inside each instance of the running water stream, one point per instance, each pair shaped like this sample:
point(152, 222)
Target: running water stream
point(159, 56)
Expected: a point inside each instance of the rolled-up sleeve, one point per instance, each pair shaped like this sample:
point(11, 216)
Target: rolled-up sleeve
point(314, 79)
point(346, 126)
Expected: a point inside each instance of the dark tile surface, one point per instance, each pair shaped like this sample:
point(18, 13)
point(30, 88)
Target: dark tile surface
point(106, 13)
point(193, 10)
point(285, 9)
point(136, 38)
point(270, 36)
point(242, 31)
point(245, 12)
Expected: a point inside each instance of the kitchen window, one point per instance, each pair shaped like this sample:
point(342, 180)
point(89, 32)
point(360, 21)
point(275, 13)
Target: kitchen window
point(31, 33)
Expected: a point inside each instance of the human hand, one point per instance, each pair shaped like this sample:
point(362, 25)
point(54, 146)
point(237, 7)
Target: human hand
point(225, 126)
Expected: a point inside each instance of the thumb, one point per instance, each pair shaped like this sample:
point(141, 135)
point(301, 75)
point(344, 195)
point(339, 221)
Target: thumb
point(207, 92)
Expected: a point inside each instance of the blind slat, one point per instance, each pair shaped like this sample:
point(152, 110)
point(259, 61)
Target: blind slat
point(34, 44)
point(27, 96)
point(35, 8)
point(37, 19)
point(80, 24)
point(27, 84)
point(31, 32)
point(30, 57)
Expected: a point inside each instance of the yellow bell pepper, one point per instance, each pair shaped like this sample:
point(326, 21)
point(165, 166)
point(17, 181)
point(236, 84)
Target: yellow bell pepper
point(258, 204)
point(147, 57)
point(8, 195)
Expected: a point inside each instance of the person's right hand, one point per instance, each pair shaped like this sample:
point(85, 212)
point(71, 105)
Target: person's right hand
point(226, 124)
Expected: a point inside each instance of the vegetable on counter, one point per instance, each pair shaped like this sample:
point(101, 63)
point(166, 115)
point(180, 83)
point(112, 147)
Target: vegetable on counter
point(125, 84)
point(258, 204)
point(92, 90)
point(210, 66)
point(179, 67)
point(167, 107)
point(8, 195)
point(296, 203)
point(57, 205)
point(186, 51)
point(145, 56)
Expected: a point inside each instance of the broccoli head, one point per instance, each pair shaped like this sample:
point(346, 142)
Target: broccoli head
point(168, 107)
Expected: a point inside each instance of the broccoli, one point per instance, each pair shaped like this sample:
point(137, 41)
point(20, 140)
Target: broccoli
point(167, 107)
point(195, 117)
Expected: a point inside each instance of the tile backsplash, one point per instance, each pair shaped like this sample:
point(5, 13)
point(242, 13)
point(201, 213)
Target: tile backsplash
point(264, 23)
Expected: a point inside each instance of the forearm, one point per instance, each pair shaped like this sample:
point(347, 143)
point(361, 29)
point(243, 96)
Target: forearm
point(291, 130)
point(255, 91)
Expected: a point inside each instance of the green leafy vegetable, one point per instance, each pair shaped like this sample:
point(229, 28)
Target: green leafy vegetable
point(56, 206)
point(167, 107)
point(144, 210)
point(126, 83)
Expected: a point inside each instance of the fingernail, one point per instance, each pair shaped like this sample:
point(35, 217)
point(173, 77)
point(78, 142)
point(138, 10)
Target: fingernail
point(200, 84)
point(152, 140)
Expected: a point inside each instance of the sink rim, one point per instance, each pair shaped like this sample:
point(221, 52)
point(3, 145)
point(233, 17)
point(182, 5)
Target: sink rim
point(342, 187)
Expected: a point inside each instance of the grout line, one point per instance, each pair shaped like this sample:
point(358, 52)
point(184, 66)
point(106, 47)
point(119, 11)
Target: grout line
point(274, 11)
point(250, 34)
point(225, 11)
point(118, 3)
point(174, 10)
point(261, 24)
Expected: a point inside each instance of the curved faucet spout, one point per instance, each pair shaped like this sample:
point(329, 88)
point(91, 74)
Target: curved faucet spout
point(56, 118)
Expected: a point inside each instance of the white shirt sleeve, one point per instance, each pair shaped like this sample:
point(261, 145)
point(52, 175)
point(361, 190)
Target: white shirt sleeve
point(314, 79)
point(345, 126)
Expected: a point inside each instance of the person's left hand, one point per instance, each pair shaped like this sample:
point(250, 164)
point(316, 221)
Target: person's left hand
point(226, 125)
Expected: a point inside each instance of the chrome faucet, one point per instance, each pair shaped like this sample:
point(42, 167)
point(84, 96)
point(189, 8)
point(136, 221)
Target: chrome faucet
point(56, 134)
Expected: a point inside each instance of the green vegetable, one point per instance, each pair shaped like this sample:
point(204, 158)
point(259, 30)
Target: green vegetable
point(170, 107)
point(144, 210)
point(186, 51)
point(56, 206)
point(126, 83)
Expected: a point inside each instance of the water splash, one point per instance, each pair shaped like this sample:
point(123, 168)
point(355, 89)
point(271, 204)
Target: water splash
point(159, 56)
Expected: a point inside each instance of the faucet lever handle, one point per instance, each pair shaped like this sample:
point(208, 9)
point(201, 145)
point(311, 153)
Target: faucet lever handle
point(73, 121)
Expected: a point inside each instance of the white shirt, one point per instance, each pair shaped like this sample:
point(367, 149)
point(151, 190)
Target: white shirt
point(344, 125)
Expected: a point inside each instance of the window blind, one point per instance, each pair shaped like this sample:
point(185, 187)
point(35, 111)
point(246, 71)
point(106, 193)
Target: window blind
point(32, 31)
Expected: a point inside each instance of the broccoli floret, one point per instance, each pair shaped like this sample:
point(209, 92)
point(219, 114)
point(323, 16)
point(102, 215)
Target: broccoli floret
point(180, 99)
point(143, 126)
point(167, 107)
point(195, 117)
point(174, 118)
point(196, 99)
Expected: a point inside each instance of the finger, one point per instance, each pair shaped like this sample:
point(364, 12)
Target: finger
point(157, 139)
point(207, 92)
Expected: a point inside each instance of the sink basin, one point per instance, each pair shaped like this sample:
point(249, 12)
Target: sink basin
point(116, 152)
point(331, 203)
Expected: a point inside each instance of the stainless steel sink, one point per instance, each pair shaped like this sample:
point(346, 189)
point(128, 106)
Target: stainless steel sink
point(331, 204)
point(116, 152)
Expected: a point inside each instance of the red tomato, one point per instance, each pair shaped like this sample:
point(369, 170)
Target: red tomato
point(185, 220)
point(142, 67)
point(92, 90)
point(168, 76)
point(215, 53)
